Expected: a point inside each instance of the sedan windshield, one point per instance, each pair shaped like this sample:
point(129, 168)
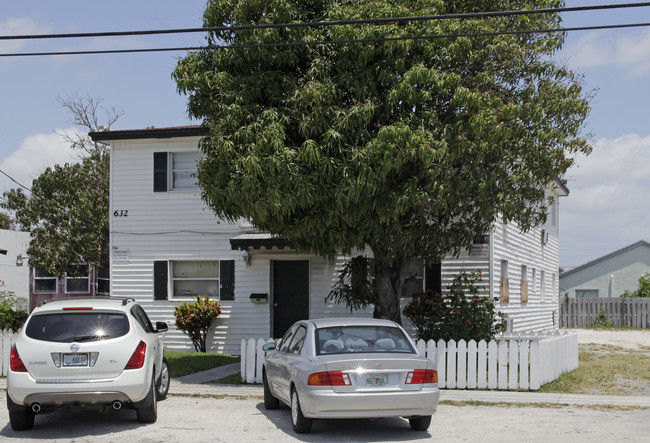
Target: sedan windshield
point(346, 339)
point(77, 327)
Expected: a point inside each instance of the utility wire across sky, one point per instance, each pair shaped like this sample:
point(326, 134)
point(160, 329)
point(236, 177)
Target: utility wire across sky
point(327, 24)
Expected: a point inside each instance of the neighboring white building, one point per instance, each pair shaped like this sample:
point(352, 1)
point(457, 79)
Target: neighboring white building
point(13, 244)
point(167, 245)
point(610, 275)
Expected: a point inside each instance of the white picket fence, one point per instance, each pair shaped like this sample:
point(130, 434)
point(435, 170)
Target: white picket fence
point(514, 361)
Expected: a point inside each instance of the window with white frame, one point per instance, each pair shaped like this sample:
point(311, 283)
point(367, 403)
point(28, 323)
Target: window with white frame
point(183, 170)
point(44, 282)
point(77, 280)
point(542, 285)
point(415, 282)
point(192, 278)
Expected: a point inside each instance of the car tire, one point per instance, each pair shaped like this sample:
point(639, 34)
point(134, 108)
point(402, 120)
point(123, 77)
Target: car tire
point(148, 413)
point(20, 417)
point(420, 423)
point(301, 424)
point(162, 386)
point(270, 402)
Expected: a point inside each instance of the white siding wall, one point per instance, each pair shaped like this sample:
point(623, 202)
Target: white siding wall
point(540, 312)
point(178, 226)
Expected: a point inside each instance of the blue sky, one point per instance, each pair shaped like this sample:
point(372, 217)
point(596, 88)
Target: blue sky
point(608, 207)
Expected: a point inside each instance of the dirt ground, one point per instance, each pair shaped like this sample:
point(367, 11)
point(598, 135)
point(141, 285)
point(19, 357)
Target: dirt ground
point(629, 339)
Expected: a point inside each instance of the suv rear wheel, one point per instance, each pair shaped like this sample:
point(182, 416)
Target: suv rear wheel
point(162, 387)
point(20, 417)
point(149, 412)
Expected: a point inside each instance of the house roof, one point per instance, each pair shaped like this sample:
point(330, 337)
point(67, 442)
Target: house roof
point(605, 257)
point(135, 134)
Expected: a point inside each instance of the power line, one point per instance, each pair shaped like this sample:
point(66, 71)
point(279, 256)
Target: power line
point(330, 23)
point(14, 180)
point(330, 42)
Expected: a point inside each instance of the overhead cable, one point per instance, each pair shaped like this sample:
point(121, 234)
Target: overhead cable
point(330, 42)
point(471, 15)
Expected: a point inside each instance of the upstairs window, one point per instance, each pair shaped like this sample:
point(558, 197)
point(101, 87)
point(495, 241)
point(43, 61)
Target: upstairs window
point(175, 171)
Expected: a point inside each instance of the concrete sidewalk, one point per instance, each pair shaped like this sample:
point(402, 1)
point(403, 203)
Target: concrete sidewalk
point(204, 383)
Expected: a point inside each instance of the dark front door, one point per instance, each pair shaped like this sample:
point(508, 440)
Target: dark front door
point(290, 294)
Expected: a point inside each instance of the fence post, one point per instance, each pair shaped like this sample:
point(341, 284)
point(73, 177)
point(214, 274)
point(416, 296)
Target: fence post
point(441, 361)
point(451, 364)
point(471, 364)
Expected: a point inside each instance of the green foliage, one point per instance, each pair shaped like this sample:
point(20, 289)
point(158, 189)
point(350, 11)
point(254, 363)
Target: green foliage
point(195, 319)
point(644, 287)
point(67, 214)
point(5, 221)
point(463, 313)
point(10, 318)
point(409, 148)
point(355, 286)
point(601, 320)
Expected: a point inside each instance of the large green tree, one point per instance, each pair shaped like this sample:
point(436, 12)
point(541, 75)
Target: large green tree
point(66, 208)
point(406, 147)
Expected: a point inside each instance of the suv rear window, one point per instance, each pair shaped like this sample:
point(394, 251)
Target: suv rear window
point(77, 327)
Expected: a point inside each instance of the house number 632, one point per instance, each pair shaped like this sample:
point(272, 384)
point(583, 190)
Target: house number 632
point(121, 213)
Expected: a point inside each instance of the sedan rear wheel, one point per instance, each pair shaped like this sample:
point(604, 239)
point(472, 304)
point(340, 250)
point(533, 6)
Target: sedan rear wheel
point(301, 424)
point(420, 423)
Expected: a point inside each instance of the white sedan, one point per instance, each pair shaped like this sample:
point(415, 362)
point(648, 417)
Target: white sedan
point(349, 368)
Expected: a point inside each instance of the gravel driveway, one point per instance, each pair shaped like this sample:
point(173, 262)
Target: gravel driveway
point(208, 419)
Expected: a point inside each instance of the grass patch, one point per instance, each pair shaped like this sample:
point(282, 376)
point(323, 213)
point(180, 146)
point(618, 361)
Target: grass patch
point(502, 404)
point(232, 379)
point(185, 363)
point(605, 369)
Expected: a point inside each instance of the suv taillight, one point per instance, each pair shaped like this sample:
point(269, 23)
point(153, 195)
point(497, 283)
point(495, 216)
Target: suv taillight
point(17, 364)
point(137, 359)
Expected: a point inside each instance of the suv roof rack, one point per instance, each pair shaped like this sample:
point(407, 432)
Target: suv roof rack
point(124, 300)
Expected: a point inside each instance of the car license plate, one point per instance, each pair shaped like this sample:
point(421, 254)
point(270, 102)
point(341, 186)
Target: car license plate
point(378, 380)
point(75, 359)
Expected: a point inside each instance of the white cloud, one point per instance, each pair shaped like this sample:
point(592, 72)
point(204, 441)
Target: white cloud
point(36, 153)
point(608, 205)
point(19, 26)
point(630, 50)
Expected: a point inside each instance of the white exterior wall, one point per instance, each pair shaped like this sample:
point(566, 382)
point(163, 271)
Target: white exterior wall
point(508, 243)
point(177, 225)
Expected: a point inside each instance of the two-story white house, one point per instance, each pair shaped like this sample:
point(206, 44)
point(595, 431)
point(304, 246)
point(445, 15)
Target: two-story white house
point(168, 246)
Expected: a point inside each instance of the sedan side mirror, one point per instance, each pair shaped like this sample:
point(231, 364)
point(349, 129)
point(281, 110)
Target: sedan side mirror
point(270, 346)
point(161, 326)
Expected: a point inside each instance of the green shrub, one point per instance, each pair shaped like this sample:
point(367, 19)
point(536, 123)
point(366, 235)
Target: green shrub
point(644, 287)
point(463, 313)
point(195, 319)
point(601, 320)
point(10, 318)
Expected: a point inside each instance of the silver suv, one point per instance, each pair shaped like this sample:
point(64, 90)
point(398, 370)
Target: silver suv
point(95, 352)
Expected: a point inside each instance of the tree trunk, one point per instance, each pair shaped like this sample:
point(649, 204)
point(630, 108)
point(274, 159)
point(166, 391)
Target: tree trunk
point(390, 284)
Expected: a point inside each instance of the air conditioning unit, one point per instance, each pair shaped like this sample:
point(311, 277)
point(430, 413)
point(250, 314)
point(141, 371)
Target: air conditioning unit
point(544, 236)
